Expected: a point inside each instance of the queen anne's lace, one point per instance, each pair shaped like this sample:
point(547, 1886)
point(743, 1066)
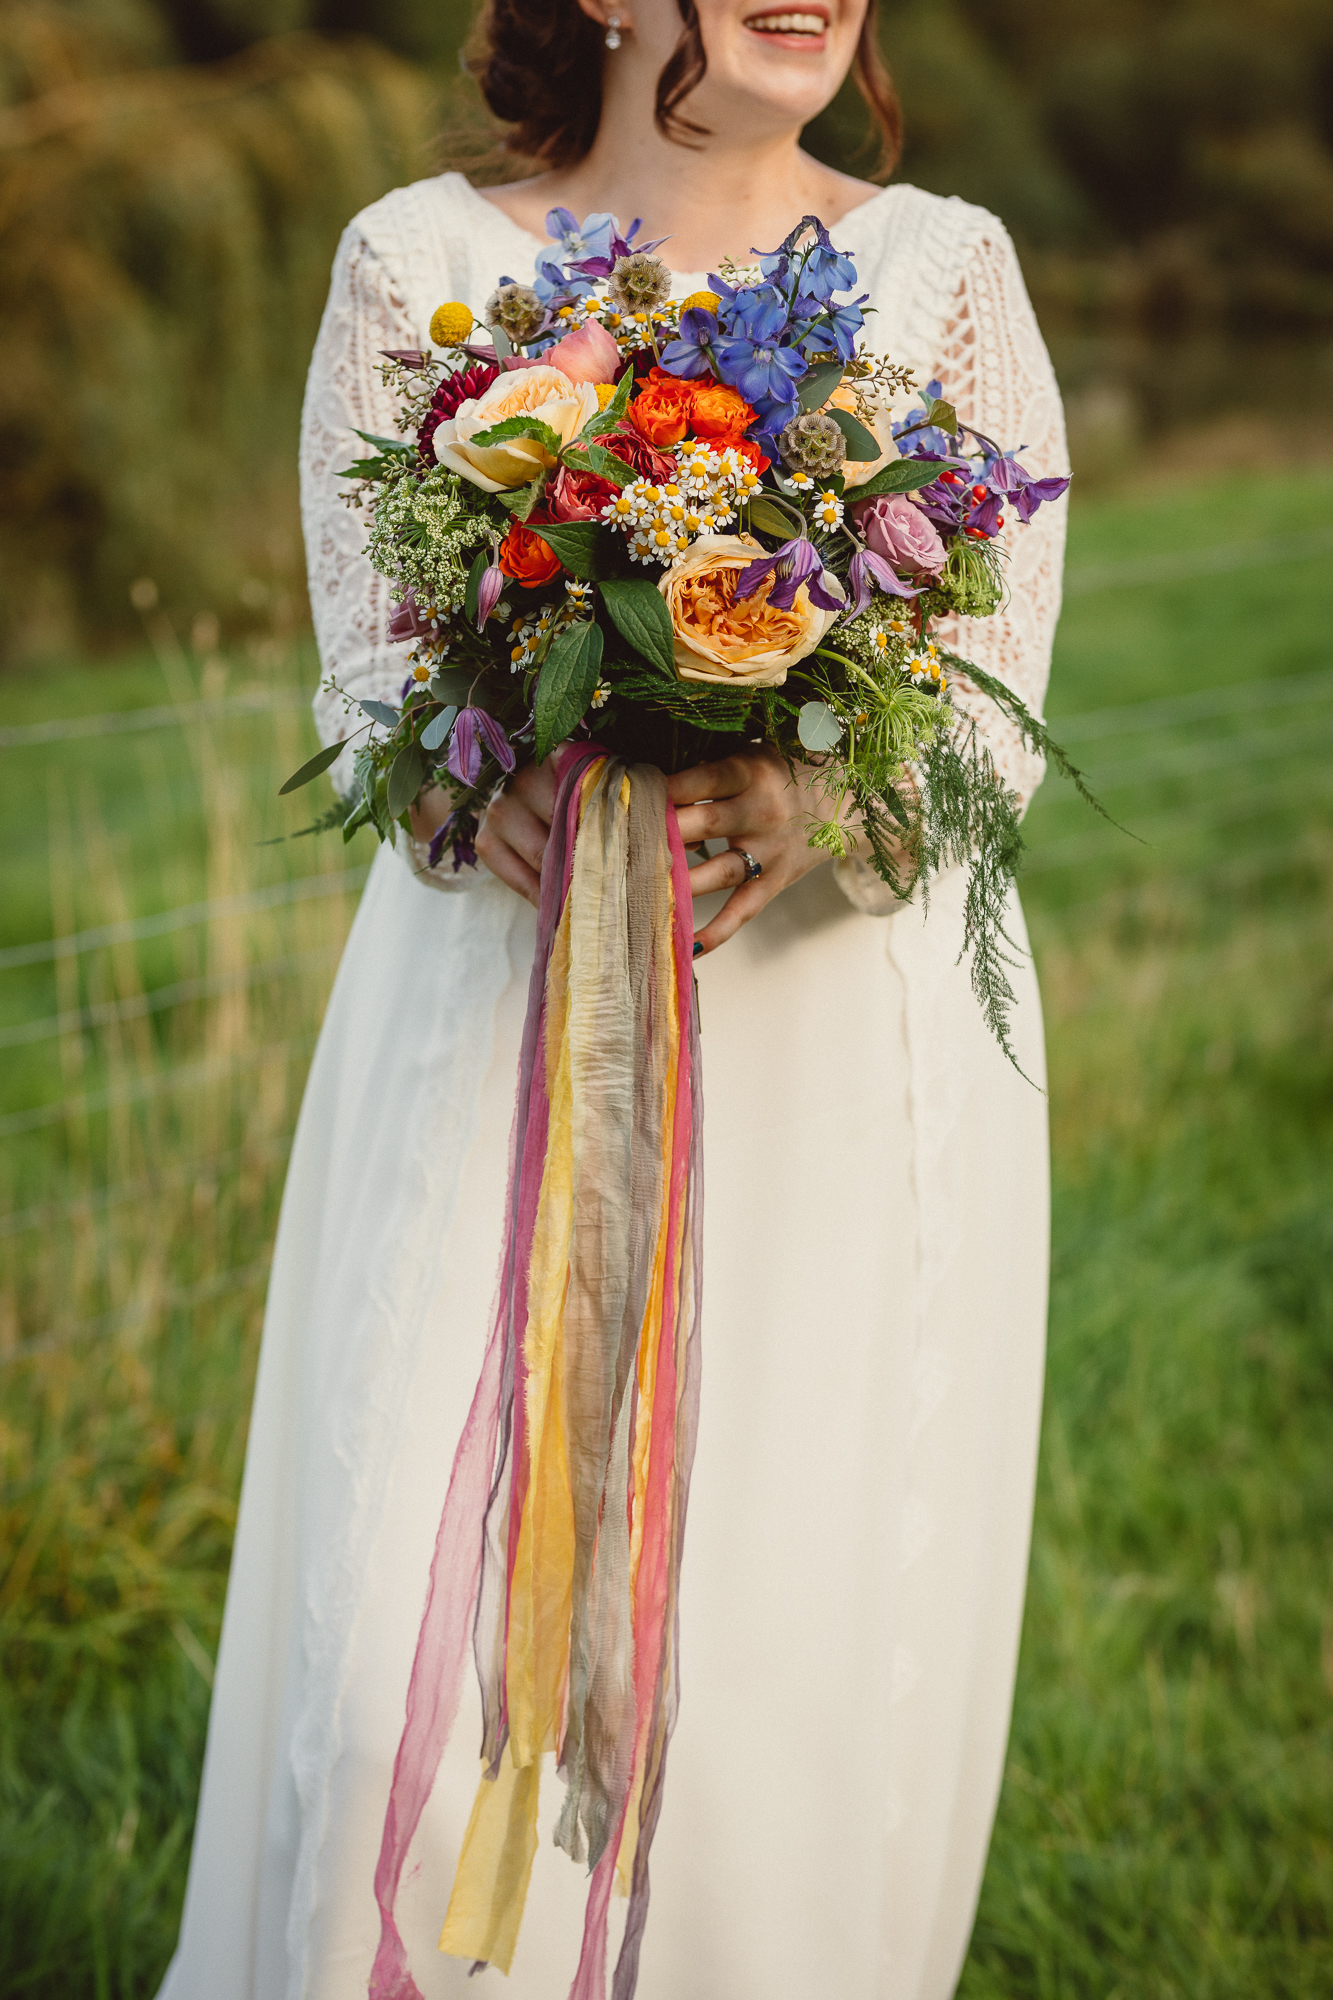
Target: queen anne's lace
point(950, 301)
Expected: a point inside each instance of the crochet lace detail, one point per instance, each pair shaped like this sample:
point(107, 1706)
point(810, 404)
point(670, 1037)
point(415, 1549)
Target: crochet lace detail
point(949, 298)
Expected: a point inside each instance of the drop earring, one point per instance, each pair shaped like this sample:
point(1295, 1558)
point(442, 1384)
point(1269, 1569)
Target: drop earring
point(613, 36)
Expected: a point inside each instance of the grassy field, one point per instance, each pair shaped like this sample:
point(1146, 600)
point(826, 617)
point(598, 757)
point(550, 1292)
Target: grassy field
point(1165, 1824)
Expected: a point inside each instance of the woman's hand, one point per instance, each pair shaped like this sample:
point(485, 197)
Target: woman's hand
point(751, 801)
point(514, 827)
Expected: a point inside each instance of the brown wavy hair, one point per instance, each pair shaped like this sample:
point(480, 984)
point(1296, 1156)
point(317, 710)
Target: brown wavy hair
point(539, 65)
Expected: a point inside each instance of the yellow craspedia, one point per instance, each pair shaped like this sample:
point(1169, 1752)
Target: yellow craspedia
point(450, 324)
point(605, 393)
point(701, 301)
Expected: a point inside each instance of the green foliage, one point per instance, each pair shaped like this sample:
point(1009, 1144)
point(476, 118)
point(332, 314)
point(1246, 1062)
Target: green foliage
point(566, 683)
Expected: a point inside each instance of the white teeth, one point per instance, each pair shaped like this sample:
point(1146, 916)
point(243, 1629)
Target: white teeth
point(787, 24)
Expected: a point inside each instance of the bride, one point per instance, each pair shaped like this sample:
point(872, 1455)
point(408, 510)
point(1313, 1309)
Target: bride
point(876, 1223)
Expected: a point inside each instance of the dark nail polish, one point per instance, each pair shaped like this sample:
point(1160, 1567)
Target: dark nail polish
point(697, 947)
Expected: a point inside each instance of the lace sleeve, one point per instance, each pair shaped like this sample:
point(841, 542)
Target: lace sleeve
point(349, 601)
point(995, 368)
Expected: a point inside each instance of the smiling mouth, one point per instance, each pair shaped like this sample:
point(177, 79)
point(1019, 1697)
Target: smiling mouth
point(796, 26)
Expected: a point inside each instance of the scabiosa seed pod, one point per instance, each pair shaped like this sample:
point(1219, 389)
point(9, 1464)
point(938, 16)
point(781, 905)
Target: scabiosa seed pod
point(638, 282)
point(813, 443)
point(517, 310)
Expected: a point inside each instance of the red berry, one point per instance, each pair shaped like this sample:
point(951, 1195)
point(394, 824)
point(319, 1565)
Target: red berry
point(978, 492)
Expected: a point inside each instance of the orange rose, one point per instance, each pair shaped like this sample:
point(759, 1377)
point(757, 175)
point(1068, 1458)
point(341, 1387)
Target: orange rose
point(527, 558)
point(719, 412)
point(661, 410)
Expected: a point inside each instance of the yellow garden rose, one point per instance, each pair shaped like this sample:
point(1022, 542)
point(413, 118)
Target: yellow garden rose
point(522, 392)
point(745, 643)
point(856, 471)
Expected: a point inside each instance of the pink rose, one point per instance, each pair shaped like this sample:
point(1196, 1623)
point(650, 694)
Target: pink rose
point(590, 355)
point(897, 530)
point(578, 496)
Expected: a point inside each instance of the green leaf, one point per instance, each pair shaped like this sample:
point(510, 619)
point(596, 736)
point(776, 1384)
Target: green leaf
point(405, 777)
point(596, 458)
point(614, 413)
point(772, 518)
point(451, 684)
point(517, 427)
point(861, 443)
point(433, 735)
point(500, 340)
point(520, 500)
point(580, 545)
point(368, 468)
point(943, 416)
point(385, 444)
point(480, 564)
point(817, 726)
point(380, 711)
point(566, 685)
point(639, 613)
point(815, 388)
point(358, 817)
point(319, 762)
point(903, 475)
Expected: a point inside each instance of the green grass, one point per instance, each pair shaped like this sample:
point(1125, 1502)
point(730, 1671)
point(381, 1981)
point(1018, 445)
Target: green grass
point(1165, 1822)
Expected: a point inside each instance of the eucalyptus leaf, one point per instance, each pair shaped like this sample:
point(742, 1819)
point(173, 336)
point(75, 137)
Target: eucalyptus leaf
point(567, 684)
point(815, 388)
point(519, 427)
point(437, 729)
point(580, 546)
point(639, 613)
point(311, 769)
point(903, 475)
point(480, 564)
point(817, 726)
point(380, 711)
point(861, 443)
point(405, 778)
point(504, 346)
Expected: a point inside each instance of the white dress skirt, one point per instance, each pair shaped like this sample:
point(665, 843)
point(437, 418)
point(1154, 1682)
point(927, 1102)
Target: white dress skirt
point(875, 1264)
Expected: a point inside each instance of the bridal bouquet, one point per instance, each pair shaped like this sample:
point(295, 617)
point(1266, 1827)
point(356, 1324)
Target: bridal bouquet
point(636, 533)
point(673, 527)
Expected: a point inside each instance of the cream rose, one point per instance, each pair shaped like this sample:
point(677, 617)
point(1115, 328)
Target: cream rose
point(523, 392)
point(745, 643)
point(856, 471)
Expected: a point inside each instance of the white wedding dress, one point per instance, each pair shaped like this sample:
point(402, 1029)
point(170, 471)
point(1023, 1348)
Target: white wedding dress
point(874, 1307)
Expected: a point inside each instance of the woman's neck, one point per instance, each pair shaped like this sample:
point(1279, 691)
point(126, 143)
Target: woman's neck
point(721, 200)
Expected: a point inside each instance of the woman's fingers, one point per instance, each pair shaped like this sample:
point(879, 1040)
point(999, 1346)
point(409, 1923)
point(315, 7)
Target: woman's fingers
point(535, 785)
point(738, 909)
point(507, 863)
point(510, 818)
point(721, 871)
point(722, 780)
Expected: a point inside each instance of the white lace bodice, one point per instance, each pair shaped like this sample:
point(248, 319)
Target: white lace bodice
point(950, 301)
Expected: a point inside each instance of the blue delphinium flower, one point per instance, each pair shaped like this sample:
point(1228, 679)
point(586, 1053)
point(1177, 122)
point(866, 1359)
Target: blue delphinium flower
point(757, 359)
point(692, 354)
point(590, 238)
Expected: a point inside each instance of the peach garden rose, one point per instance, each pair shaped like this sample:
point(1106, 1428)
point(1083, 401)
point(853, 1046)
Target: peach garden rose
point(546, 393)
point(735, 643)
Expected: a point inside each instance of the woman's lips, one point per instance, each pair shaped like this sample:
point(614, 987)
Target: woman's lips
point(790, 27)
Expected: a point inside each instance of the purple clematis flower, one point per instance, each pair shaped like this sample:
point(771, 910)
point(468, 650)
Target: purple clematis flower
point(692, 354)
point(797, 562)
point(1025, 494)
point(488, 593)
point(406, 357)
point(465, 748)
point(869, 573)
